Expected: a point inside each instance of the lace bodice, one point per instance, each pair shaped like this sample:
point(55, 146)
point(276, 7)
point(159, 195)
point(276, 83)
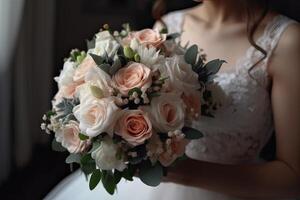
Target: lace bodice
point(242, 127)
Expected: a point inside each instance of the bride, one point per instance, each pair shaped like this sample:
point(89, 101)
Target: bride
point(261, 78)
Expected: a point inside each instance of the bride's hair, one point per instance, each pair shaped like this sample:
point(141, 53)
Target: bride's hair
point(253, 20)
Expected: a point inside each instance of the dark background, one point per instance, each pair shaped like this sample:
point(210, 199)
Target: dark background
point(75, 21)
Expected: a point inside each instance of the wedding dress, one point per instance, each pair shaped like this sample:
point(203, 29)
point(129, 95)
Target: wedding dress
point(236, 135)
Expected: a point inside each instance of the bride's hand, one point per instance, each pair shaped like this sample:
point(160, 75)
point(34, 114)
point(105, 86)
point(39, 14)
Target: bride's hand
point(178, 173)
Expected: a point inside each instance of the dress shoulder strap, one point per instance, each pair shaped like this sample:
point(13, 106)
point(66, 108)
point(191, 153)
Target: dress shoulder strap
point(273, 33)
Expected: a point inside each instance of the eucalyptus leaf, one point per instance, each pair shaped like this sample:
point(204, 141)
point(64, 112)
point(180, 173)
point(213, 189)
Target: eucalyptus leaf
point(151, 175)
point(98, 59)
point(115, 67)
point(73, 158)
point(95, 146)
point(108, 181)
point(214, 66)
point(105, 67)
point(56, 146)
point(191, 54)
point(191, 133)
point(173, 36)
point(95, 179)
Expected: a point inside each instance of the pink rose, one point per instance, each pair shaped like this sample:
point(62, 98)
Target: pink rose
point(134, 126)
point(147, 37)
point(192, 102)
point(132, 76)
point(175, 148)
point(83, 68)
point(68, 136)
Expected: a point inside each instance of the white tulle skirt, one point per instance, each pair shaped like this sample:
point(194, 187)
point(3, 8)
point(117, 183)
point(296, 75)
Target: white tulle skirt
point(75, 187)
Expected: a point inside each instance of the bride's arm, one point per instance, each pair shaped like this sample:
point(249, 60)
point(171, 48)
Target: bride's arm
point(276, 179)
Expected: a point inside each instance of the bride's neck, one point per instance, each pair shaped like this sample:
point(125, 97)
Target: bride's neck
point(223, 11)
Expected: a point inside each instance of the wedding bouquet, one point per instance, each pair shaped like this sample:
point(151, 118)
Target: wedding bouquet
point(124, 107)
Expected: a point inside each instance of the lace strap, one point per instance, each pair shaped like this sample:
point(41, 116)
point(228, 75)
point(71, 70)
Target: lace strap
point(174, 21)
point(273, 33)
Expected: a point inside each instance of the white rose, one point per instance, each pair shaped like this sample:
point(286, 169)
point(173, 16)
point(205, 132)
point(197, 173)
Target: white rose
point(181, 76)
point(167, 112)
point(97, 116)
point(106, 156)
point(66, 75)
point(105, 45)
point(95, 77)
point(68, 136)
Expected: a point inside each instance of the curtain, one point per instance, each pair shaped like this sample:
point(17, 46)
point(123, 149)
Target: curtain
point(26, 77)
point(10, 17)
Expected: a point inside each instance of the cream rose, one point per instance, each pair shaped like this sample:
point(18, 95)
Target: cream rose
point(166, 112)
point(68, 136)
point(181, 76)
point(147, 37)
point(97, 116)
point(132, 76)
point(83, 68)
point(106, 156)
point(134, 126)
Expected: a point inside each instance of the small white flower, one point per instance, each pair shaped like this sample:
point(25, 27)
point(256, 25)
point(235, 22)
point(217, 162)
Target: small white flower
point(149, 56)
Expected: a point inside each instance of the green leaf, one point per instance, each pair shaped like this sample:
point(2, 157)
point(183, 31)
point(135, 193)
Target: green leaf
point(191, 133)
point(173, 36)
point(214, 66)
point(98, 59)
point(151, 175)
point(137, 90)
point(117, 176)
point(73, 158)
point(88, 164)
point(128, 52)
point(137, 58)
point(164, 30)
point(56, 146)
point(95, 179)
point(128, 173)
point(50, 113)
point(191, 54)
point(96, 92)
point(108, 181)
point(83, 137)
